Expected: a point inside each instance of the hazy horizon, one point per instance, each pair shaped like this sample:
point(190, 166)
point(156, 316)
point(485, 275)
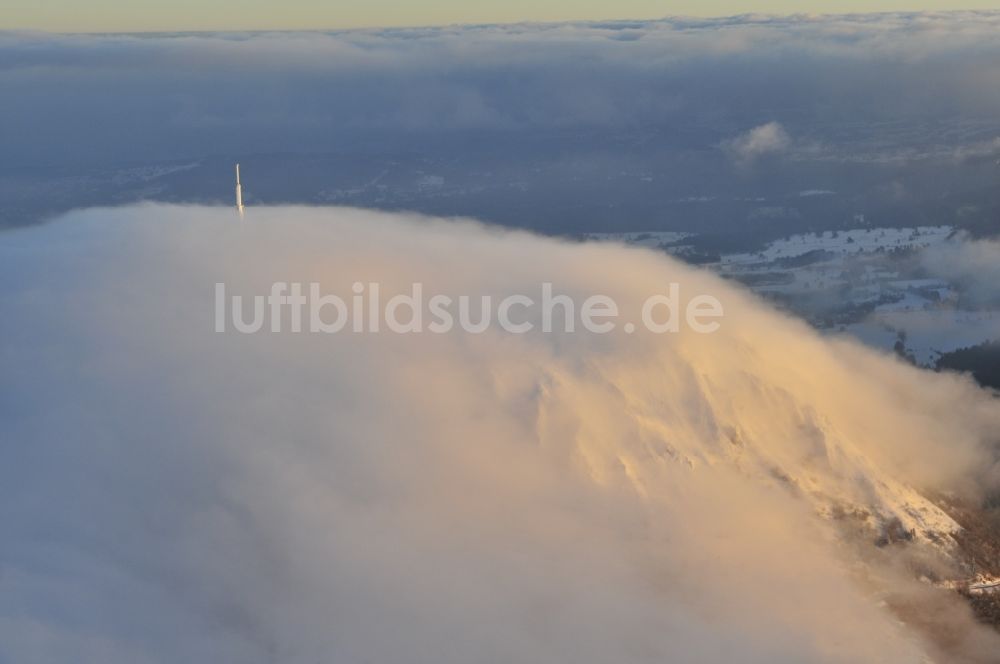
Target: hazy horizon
point(115, 16)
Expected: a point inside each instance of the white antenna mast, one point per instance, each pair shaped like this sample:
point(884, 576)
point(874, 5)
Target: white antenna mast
point(239, 192)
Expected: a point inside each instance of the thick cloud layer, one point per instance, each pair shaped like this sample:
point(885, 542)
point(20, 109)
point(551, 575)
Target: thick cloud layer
point(561, 128)
point(169, 494)
point(176, 96)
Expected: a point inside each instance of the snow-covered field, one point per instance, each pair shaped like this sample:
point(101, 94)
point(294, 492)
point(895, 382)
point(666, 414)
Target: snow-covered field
point(844, 243)
point(868, 283)
point(928, 333)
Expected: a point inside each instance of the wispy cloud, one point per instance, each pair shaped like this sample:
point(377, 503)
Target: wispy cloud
point(767, 139)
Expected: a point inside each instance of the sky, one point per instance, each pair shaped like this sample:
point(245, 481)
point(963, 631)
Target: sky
point(147, 15)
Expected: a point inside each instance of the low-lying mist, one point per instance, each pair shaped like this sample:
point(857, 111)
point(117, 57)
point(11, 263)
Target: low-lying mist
point(168, 493)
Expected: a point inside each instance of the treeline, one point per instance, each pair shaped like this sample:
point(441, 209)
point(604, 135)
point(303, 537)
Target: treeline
point(982, 361)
